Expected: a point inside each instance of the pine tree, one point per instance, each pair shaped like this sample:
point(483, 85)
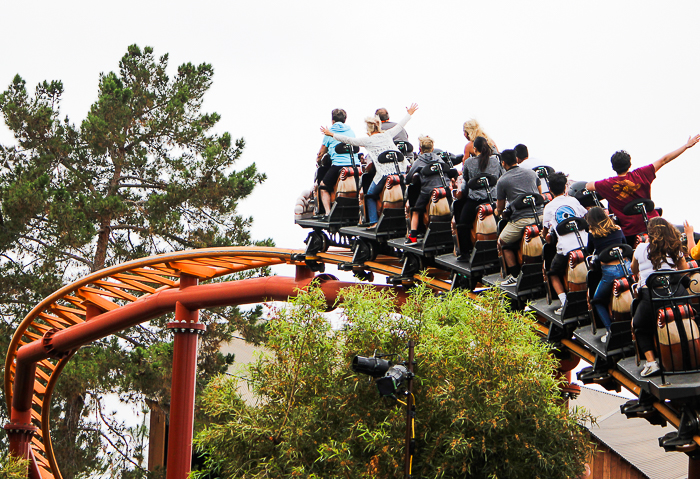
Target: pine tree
point(142, 174)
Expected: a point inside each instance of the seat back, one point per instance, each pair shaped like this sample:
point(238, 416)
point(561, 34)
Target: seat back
point(576, 271)
point(677, 332)
point(484, 227)
point(438, 207)
point(530, 245)
point(346, 186)
point(621, 301)
point(392, 192)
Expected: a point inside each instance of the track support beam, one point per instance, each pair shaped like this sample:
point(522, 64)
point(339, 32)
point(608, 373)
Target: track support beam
point(187, 330)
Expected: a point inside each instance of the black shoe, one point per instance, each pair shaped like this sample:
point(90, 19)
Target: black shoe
point(463, 259)
point(322, 218)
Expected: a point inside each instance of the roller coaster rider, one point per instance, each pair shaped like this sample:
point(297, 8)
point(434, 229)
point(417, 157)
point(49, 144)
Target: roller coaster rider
point(514, 183)
point(484, 164)
point(604, 233)
point(628, 186)
point(693, 248)
point(383, 115)
point(663, 252)
point(376, 143)
point(338, 161)
point(415, 175)
point(561, 208)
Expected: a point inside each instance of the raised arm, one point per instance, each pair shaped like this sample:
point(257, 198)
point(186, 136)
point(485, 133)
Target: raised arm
point(402, 122)
point(668, 157)
point(693, 249)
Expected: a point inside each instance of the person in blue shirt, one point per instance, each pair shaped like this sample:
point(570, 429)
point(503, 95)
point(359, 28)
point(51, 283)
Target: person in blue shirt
point(338, 161)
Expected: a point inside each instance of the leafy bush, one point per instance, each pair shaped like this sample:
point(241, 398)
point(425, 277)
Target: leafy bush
point(487, 402)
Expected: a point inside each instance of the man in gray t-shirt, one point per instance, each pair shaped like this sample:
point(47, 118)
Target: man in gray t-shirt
point(514, 183)
point(386, 125)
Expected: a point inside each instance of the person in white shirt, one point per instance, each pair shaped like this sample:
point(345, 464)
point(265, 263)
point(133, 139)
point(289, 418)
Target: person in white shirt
point(561, 208)
point(663, 252)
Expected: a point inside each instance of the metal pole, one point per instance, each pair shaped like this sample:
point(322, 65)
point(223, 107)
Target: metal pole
point(410, 414)
point(693, 468)
point(187, 329)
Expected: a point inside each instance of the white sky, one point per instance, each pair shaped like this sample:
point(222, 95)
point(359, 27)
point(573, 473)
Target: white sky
point(574, 81)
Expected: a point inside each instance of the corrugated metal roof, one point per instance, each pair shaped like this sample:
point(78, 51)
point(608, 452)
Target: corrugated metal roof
point(635, 440)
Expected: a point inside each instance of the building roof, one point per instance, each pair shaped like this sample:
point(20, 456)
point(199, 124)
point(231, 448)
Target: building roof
point(635, 440)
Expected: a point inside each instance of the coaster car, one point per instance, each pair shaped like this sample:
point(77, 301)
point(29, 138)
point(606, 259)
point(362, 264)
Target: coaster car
point(576, 304)
point(366, 242)
point(677, 333)
point(620, 302)
point(437, 239)
point(484, 230)
point(530, 281)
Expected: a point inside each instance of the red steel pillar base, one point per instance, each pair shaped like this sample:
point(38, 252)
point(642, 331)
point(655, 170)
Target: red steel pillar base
point(20, 436)
point(187, 330)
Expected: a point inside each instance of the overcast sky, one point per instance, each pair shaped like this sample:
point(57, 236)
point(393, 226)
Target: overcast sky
point(574, 81)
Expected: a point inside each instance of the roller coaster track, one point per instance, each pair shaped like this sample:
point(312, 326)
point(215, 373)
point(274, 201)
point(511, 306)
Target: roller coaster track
point(118, 286)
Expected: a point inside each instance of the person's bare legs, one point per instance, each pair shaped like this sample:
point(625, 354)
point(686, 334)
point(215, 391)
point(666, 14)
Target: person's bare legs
point(414, 220)
point(325, 199)
point(509, 256)
point(557, 284)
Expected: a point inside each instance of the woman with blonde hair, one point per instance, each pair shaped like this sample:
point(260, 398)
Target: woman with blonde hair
point(472, 130)
point(663, 252)
point(603, 233)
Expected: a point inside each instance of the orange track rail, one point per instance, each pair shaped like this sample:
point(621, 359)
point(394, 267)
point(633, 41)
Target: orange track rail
point(117, 286)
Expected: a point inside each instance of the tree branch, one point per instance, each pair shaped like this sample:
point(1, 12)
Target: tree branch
point(64, 253)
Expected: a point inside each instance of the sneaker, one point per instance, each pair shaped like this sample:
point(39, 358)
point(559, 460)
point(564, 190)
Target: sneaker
point(559, 311)
point(650, 368)
point(411, 240)
point(509, 281)
point(605, 337)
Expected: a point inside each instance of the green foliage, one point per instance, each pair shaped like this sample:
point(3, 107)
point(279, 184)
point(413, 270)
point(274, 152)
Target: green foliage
point(12, 467)
point(142, 174)
point(487, 402)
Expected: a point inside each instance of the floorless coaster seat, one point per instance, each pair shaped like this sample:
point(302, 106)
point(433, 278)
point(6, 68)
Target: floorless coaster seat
point(437, 239)
point(575, 307)
point(619, 342)
point(639, 207)
point(483, 257)
point(677, 333)
point(367, 243)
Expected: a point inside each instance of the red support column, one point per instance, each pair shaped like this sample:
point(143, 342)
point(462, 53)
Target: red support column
point(693, 468)
point(187, 329)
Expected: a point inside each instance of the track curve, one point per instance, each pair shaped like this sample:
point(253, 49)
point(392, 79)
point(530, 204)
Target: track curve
point(117, 286)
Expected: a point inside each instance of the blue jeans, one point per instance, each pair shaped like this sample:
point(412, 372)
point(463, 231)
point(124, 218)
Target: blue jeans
point(604, 289)
point(371, 200)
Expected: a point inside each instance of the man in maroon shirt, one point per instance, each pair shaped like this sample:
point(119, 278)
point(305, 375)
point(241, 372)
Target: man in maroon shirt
point(628, 186)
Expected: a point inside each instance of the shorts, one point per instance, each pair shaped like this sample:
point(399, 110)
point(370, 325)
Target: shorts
point(421, 202)
point(331, 177)
point(559, 265)
point(513, 231)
